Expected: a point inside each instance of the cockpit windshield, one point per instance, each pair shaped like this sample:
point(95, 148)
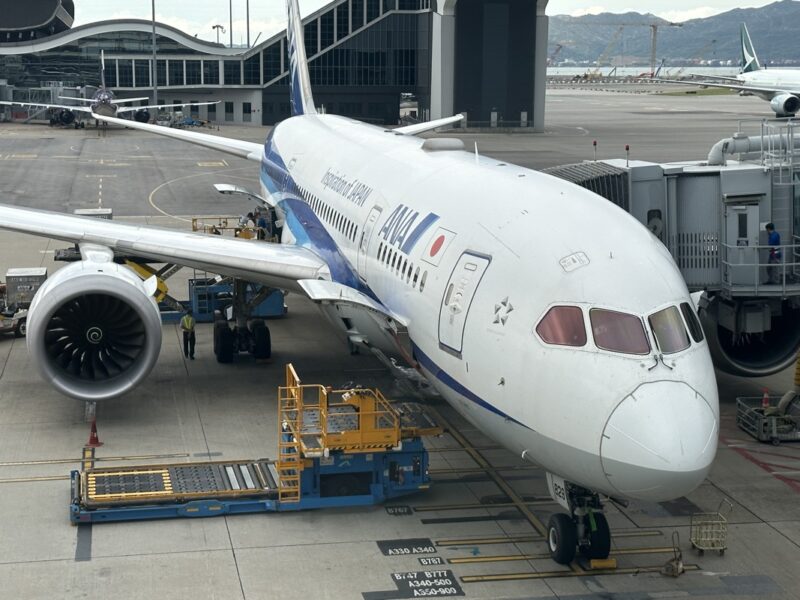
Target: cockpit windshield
point(618, 332)
point(563, 326)
point(669, 330)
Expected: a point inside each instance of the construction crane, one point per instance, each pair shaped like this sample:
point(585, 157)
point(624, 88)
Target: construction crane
point(653, 37)
point(604, 55)
point(553, 54)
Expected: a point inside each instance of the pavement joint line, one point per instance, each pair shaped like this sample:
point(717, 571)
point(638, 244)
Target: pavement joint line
point(565, 574)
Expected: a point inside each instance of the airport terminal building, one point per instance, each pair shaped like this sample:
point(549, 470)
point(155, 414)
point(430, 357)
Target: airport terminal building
point(485, 58)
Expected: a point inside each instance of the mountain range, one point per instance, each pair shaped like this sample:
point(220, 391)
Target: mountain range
point(774, 29)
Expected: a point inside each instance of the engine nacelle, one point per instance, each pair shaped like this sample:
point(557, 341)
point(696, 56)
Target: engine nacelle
point(66, 117)
point(785, 105)
point(94, 332)
point(736, 345)
point(142, 116)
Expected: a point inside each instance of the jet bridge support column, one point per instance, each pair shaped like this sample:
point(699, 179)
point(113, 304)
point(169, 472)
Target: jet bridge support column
point(540, 66)
point(443, 51)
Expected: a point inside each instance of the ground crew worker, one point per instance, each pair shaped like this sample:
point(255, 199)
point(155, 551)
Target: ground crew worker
point(187, 326)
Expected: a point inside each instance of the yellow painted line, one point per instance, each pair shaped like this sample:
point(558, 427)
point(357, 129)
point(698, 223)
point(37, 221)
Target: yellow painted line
point(562, 574)
point(479, 470)
point(510, 557)
point(499, 481)
point(62, 461)
point(513, 539)
point(476, 505)
point(30, 479)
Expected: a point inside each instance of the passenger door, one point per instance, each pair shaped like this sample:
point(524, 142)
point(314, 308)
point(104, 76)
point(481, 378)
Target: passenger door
point(457, 299)
point(363, 245)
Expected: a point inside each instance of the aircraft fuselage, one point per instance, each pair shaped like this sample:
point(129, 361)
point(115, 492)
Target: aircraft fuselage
point(473, 256)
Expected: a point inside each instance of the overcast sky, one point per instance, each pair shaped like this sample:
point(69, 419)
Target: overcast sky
point(268, 16)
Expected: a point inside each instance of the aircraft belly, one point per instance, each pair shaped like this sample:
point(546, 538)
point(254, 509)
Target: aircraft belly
point(573, 464)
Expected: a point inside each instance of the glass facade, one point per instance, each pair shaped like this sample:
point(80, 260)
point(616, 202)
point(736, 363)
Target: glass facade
point(373, 46)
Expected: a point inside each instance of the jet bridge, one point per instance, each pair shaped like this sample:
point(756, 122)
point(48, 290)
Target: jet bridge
point(711, 216)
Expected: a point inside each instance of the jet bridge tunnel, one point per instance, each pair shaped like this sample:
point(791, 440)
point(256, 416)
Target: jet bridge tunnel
point(712, 217)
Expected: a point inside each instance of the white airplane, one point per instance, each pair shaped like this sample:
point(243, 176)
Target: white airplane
point(545, 315)
point(779, 87)
point(103, 102)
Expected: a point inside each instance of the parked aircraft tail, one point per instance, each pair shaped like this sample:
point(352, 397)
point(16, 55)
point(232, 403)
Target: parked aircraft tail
point(102, 69)
point(749, 58)
point(300, 83)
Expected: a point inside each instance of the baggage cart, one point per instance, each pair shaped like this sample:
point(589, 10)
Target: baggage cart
point(778, 422)
point(709, 531)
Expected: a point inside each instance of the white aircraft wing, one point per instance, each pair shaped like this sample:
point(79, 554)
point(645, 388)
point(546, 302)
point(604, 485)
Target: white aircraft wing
point(84, 109)
point(731, 86)
point(275, 265)
point(122, 109)
point(240, 148)
point(421, 127)
point(123, 100)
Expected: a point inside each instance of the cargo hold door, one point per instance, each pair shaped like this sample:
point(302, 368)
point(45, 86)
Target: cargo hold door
point(457, 299)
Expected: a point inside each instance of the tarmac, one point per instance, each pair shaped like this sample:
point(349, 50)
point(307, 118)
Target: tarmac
point(475, 529)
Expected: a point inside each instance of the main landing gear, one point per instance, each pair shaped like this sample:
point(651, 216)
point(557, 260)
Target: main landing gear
point(584, 530)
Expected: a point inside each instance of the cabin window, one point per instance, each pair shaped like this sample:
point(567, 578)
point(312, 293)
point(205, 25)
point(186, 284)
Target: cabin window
point(618, 332)
point(422, 281)
point(692, 321)
point(416, 277)
point(563, 326)
point(669, 331)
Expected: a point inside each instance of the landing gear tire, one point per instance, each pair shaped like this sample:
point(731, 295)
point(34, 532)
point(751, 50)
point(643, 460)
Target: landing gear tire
point(225, 343)
point(22, 329)
point(262, 342)
point(562, 538)
point(599, 538)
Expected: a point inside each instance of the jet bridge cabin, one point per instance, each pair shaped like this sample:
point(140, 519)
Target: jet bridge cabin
point(711, 215)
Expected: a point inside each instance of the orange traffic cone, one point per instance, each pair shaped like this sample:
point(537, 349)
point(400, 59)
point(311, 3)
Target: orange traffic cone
point(94, 441)
point(765, 399)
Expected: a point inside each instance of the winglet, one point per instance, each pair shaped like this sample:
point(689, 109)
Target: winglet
point(749, 59)
point(299, 82)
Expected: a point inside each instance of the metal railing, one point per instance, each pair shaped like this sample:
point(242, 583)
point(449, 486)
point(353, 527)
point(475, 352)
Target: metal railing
point(750, 269)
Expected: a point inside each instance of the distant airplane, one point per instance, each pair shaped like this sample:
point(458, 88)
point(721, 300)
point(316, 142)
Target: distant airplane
point(546, 316)
point(103, 103)
point(779, 87)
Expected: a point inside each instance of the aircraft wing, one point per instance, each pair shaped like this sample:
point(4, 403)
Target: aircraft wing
point(240, 148)
point(427, 126)
point(731, 86)
point(84, 109)
point(122, 109)
point(275, 265)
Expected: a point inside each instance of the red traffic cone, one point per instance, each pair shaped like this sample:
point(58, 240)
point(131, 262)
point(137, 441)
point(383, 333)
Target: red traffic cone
point(765, 399)
point(94, 441)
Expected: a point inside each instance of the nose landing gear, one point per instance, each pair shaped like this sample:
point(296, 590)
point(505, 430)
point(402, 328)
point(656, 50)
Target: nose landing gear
point(584, 530)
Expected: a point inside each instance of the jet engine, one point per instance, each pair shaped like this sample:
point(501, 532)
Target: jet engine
point(753, 338)
point(66, 117)
point(94, 331)
point(142, 116)
point(785, 105)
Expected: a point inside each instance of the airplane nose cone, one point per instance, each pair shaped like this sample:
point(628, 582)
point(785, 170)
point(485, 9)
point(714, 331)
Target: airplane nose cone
point(659, 442)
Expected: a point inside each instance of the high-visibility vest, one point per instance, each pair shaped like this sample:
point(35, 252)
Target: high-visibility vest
point(187, 323)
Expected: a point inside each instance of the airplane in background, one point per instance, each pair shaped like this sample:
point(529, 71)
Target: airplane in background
point(103, 102)
point(779, 87)
point(546, 316)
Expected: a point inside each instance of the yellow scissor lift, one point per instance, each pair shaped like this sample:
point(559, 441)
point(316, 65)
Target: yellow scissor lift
point(336, 448)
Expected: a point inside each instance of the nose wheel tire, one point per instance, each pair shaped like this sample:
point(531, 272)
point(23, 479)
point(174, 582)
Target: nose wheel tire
point(562, 538)
point(599, 537)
